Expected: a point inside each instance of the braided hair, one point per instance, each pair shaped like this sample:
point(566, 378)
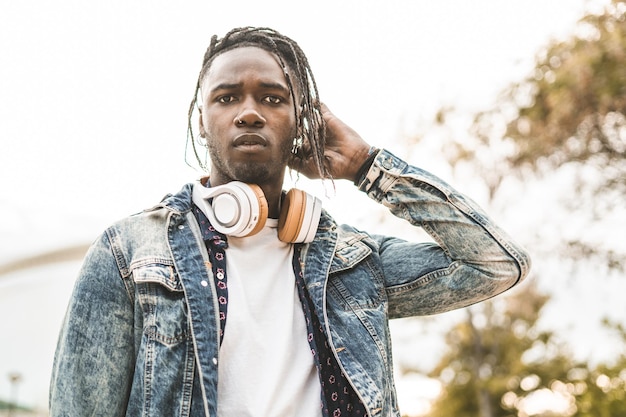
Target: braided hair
point(310, 126)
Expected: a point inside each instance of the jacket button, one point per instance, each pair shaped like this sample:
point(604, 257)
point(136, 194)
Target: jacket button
point(214, 361)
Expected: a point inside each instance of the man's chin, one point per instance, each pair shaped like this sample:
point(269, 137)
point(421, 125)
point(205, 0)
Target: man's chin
point(254, 174)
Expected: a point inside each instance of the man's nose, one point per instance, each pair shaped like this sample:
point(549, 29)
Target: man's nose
point(249, 115)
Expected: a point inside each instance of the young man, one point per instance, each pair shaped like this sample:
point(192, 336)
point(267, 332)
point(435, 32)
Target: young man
point(201, 306)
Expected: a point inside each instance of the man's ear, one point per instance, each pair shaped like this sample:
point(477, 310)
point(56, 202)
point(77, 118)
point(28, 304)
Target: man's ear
point(201, 123)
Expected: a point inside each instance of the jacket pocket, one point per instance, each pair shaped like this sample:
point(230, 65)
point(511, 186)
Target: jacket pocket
point(162, 301)
point(354, 281)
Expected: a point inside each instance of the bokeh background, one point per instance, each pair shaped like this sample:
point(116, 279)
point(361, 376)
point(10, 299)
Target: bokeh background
point(93, 107)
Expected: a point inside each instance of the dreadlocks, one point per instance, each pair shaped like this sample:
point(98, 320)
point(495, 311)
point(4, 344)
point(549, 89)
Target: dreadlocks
point(309, 122)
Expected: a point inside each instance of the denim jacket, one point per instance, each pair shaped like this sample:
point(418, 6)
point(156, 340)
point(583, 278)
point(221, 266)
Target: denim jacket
point(141, 334)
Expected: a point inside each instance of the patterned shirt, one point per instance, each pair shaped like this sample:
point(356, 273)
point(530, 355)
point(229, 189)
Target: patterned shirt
point(338, 398)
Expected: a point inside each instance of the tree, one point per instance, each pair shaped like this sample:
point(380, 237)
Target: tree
point(572, 108)
point(498, 358)
point(568, 117)
point(502, 364)
point(603, 392)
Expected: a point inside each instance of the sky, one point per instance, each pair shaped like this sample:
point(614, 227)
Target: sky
point(94, 99)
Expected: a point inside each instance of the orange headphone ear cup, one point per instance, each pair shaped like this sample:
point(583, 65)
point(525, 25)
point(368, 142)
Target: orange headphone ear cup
point(291, 215)
point(263, 209)
point(299, 217)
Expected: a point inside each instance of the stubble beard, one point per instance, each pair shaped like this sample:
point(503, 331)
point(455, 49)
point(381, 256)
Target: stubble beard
point(251, 171)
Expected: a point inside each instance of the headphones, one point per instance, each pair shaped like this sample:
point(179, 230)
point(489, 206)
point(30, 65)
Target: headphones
point(240, 209)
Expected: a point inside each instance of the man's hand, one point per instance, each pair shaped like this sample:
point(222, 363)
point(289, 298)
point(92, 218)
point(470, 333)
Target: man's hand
point(344, 152)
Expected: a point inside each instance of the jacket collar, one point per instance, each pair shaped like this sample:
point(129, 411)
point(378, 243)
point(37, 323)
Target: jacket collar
point(178, 203)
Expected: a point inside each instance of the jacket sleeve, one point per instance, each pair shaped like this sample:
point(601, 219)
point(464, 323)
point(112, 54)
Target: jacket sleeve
point(94, 360)
point(472, 259)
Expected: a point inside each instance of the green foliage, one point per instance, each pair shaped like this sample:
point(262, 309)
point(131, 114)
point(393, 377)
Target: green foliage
point(570, 113)
point(4, 405)
point(497, 355)
point(577, 94)
point(500, 362)
point(605, 393)
point(572, 108)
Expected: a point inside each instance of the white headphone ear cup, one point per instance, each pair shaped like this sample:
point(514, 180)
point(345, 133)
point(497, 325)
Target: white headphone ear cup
point(263, 208)
point(237, 209)
point(311, 219)
point(299, 217)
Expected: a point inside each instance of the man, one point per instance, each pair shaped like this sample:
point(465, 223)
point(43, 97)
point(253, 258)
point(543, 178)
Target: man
point(229, 299)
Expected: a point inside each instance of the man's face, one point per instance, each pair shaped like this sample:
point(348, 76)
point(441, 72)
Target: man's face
point(247, 117)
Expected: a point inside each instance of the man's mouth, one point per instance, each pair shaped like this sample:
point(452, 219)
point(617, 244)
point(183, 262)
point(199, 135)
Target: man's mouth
point(249, 140)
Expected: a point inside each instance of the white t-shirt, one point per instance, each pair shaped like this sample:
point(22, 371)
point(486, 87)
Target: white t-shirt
point(266, 366)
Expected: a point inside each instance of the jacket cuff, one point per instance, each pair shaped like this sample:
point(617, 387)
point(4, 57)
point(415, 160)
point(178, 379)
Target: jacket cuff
point(381, 175)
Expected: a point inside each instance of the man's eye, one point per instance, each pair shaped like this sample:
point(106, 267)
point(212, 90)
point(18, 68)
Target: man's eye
point(226, 99)
point(273, 99)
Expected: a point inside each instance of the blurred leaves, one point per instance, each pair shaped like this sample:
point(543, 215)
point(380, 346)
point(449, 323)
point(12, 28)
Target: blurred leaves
point(500, 363)
point(564, 128)
point(572, 108)
point(566, 121)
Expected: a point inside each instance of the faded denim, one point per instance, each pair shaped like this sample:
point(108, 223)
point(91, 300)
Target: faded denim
point(141, 333)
